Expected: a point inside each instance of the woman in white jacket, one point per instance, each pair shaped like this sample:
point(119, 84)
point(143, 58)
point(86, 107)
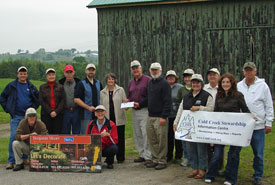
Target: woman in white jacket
point(111, 98)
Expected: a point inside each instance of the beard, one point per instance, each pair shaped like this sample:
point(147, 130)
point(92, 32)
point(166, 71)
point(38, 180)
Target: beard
point(156, 75)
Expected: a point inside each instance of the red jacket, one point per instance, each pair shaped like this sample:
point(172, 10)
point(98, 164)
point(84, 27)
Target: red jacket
point(108, 126)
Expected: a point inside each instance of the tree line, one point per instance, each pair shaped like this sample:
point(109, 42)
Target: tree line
point(37, 69)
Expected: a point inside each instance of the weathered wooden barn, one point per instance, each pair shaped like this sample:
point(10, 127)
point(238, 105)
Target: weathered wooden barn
point(180, 34)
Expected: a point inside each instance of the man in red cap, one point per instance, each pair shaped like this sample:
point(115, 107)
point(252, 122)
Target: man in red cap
point(71, 118)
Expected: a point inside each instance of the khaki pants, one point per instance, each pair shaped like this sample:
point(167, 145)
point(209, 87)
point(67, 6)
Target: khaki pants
point(157, 138)
point(139, 132)
point(20, 148)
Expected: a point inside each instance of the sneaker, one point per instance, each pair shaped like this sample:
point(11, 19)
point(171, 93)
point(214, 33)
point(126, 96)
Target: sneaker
point(9, 166)
point(257, 182)
point(207, 180)
point(151, 165)
point(110, 166)
point(139, 160)
point(185, 163)
point(160, 167)
point(227, 183)
point(18, 167)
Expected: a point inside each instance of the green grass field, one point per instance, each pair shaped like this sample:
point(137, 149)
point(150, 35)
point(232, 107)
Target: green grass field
point(246, 161)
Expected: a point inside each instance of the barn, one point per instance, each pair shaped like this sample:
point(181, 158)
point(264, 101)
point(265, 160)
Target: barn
point(180, 34)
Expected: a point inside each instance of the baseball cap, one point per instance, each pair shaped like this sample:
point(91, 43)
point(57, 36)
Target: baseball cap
point(214, 70)
point(155, 65)
point(30, 112)
point(171, 72)
point(90, 66)
point(68, 68)
point(50, 70)
point(250, 65)
point(22, 68)
point(197, 77)
point(100, 107)
point(135, 63)
point(188, 72)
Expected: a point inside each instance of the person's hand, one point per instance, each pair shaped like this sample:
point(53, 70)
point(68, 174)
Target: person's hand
point(126, 101)
point(175, 127)
point(136, 105)
point(268, 129)
point(53, 114)
point(34, 133)
point(195, 108)
point(255, 118)
point(162, 121)
point(104, 133)
point(91, 109)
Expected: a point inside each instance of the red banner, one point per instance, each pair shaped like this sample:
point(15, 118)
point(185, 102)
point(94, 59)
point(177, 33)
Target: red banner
point(60, 139)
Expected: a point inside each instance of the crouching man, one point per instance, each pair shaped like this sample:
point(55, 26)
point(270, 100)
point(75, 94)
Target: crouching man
point(28, 126)
point(108, 131)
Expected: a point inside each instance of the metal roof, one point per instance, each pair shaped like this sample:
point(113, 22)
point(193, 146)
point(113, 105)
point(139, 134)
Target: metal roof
point(117, 3)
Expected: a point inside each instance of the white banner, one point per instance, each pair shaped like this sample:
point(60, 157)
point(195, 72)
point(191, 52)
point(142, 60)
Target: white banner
point(224, 128)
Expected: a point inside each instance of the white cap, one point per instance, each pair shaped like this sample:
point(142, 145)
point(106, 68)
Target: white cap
point(90, 65)
point(171, 72)
point(30, 112)
point(50, 70)
point(188, 72)
point(197, 77)
point(100, 107)
point(135, 63)
point(155, 66)
point(214, 70)
point(22, 67)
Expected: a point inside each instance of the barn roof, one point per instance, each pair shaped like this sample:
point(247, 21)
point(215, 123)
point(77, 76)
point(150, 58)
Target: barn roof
point(119, 3)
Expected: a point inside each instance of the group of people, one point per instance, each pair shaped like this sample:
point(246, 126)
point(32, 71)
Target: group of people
point(85, 107)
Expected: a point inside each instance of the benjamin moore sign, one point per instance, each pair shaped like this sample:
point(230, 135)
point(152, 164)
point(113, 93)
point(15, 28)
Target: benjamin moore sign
point(65, 153)
point(216, 127)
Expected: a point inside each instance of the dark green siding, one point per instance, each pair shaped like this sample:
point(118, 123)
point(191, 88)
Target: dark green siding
point(191, 35)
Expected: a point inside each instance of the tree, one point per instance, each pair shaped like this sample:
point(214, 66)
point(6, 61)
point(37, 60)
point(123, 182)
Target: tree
point(79, 59)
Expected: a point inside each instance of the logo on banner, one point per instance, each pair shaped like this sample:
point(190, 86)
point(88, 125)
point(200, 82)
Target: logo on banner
point(186, 127)
point(68, 139)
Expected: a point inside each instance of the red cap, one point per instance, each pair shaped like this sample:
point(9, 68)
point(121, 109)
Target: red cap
point(69, 68)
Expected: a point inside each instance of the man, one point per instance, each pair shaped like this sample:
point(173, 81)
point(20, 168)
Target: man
point(159, 104)
point(213, 76)
point(28, 126)
point(17, 96)
point(87, 96)
point(108, 131)
point(70, 117)
point(137, 91)
point(187, 74)
point(259, 101)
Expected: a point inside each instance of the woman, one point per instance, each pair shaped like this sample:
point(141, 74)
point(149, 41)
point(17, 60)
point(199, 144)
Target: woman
point(52, 99)
point(228, 99)
point(111, 98)
point(172, 78)
point(196, 100)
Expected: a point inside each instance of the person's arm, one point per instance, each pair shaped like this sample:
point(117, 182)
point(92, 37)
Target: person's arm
point(269, 110)
point(79, 92)
point(167, 100)
point(35, 97)
point(179, 113)
point(4, 97)
point(60, 107)
point(44, 130)
point(44, 104)
point(209, 105)
point(179, 95)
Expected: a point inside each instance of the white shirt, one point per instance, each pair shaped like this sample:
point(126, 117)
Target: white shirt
point(211, 90)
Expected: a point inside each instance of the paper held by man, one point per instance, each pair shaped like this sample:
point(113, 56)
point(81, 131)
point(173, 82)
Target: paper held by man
point(127, 105)
point(216, 127)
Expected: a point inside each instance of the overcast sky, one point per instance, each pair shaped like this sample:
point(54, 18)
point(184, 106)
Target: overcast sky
point(50, 24)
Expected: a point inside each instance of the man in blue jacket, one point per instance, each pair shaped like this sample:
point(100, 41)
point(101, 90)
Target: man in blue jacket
point(17, 97)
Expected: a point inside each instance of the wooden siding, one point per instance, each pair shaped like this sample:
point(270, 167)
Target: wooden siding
point(223, 34)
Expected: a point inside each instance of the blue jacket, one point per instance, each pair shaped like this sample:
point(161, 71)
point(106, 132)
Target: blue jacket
point(8, 97)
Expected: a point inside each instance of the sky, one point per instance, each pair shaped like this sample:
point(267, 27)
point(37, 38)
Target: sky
point(50, 24)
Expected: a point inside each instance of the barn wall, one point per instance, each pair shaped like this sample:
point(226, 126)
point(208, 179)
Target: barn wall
point(223, 34)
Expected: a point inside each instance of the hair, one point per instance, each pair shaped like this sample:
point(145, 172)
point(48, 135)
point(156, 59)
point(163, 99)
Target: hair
point(232, 91)
point(110, 75)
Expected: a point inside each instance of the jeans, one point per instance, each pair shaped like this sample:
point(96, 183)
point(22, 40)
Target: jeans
point(232, 166)
point(185, 151)
point(214, 162)
point(14, 122)
point(109, 152)
point(198, 155)
point(71, 121)
point(257, 143)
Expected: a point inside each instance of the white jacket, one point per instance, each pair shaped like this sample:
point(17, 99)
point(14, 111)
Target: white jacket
point(259, 101)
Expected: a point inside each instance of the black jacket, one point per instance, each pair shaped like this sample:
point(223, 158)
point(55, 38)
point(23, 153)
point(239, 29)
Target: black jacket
point(158, 100)
point(199, 100)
